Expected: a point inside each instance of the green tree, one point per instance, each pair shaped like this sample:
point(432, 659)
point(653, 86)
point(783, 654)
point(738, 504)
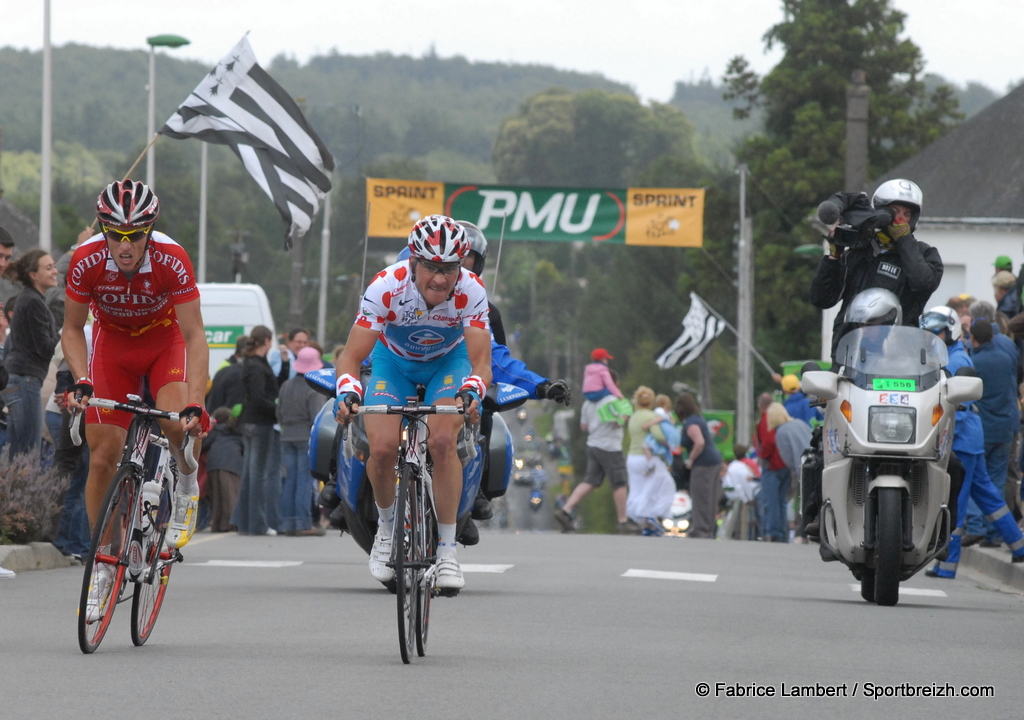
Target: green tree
point(590, 139)
point(570, 299)
point(795, 163)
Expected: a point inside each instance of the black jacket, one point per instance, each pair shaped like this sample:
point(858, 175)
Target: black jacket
point(223, 449)
point(226, 389)
point(33, 336)
point(260, 405)
point(912, 271)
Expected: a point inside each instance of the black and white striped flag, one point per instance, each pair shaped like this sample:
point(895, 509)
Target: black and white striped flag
point(239, 105)
point(700, 327)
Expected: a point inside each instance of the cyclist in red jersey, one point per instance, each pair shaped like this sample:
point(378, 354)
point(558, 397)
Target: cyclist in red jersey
point(140, 287)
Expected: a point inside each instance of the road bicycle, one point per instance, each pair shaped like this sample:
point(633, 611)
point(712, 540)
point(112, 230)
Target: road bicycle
point(414, 545)
point(128, 540)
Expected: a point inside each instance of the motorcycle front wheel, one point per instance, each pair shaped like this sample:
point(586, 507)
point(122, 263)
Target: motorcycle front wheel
point(888, 546)
point(867, 585)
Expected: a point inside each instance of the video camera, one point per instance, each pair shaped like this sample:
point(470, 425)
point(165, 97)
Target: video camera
point(858, 221)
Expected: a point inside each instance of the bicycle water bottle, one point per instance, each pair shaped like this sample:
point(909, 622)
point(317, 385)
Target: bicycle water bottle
point(150, 504)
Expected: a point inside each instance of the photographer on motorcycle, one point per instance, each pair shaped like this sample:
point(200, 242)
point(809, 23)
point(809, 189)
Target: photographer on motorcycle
point(872, 245)
point(969, 450)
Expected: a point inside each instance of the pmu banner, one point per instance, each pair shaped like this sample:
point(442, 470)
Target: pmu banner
point(671, 217)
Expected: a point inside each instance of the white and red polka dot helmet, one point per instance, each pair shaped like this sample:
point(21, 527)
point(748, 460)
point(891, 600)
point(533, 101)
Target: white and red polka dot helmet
point(439, 239)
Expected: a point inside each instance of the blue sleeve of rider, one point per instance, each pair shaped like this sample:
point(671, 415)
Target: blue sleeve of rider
point(511, 371)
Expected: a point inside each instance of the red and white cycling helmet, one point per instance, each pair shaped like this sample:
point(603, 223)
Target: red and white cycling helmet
point(439, 239)
point(127, 203)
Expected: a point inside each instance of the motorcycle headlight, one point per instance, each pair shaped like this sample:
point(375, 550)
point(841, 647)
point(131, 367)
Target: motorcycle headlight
point(891, 424)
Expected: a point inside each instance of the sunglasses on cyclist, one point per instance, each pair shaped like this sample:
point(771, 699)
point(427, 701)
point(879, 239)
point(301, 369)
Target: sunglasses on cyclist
point(435, 269)
point(132, 236)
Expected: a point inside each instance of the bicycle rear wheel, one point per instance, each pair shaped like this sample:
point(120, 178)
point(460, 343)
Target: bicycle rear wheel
point(427, 552)
point(149, 593)
point(107, 558)
point(404, 558)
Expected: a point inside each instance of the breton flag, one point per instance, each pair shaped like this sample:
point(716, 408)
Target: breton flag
point(239, 105)
point(700, 327)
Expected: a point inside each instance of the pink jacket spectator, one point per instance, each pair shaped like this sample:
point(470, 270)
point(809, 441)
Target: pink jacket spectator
point(596, 376)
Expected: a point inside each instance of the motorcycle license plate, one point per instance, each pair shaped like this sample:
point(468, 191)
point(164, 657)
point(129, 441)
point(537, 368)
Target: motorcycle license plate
point(894, 384)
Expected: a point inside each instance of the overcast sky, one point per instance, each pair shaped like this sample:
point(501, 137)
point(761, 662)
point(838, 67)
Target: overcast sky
point(649, 46)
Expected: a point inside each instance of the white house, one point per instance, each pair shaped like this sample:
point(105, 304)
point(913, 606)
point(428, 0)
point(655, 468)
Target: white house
point(973, 185)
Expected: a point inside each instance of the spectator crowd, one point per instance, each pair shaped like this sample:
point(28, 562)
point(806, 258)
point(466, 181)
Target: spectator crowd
point(255, 475)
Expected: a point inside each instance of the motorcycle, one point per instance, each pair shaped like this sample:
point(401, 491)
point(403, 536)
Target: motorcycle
point(889, 417)
point(531, 473)
point(339, 459)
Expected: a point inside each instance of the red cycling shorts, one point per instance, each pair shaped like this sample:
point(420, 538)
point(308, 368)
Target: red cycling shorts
point(121, 360)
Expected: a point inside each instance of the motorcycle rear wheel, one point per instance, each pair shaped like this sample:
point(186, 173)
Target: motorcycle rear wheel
point(888, 546)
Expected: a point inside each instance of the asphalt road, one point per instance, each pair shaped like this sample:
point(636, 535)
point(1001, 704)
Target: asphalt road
point(549, 626)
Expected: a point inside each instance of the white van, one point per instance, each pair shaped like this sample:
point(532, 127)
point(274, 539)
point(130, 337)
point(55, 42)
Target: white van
point(229, 311)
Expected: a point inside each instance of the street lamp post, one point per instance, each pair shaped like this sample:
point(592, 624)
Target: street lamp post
point(171, 41)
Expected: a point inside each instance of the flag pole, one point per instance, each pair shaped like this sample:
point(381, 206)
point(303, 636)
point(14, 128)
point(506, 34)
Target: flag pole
point(739, 337)
point(139, 158)
point(497, 261)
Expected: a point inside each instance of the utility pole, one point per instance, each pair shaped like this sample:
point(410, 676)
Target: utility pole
point(46, 149)
point(325, 253)
point(745, 319)
point(858, 96)
point(857, 101)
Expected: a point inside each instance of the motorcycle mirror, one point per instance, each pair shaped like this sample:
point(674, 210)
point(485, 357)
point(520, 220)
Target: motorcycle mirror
point(820, 383)
point(963, 388)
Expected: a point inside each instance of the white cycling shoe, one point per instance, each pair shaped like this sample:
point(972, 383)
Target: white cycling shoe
point(183, 524)
point(99, 593)
point(380, 556)
point(449, 574)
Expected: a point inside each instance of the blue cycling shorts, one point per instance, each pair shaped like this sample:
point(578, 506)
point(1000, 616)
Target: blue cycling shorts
point(393, 379)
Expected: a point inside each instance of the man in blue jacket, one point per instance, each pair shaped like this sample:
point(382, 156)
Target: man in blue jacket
point(998, 410)
point(968, 446)
point(797, 404)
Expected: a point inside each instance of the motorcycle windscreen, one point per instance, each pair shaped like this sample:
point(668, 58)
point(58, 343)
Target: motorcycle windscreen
point(890, 358)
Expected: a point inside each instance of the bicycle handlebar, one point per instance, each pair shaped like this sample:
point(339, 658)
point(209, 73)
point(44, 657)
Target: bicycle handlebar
point(412, 409)
point(187, 453)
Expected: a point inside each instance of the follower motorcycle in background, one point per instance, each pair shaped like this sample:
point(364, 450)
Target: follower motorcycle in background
point(886, 441)
point(338, 463)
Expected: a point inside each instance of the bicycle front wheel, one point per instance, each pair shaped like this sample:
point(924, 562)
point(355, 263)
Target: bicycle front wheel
point(151, 588)
point(404, 558)
point(426, 552)
point(107, 559)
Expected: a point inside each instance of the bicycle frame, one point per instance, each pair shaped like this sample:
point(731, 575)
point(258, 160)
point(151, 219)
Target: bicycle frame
point(121, 550)
point(412, 448)
point(414, 546)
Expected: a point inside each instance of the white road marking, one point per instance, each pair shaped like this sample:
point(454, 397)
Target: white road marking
point(470, 568)
point(661, 575)
point(248, 563)
point(910, 591)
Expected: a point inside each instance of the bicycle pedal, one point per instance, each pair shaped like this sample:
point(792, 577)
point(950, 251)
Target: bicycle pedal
point(447, 592)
